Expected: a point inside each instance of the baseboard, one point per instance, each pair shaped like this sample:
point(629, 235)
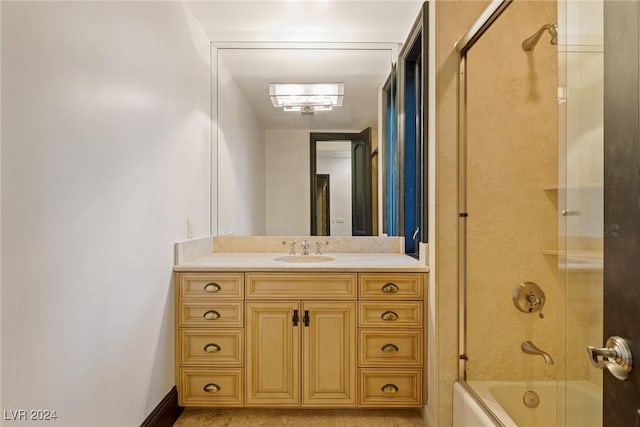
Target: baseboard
point(166, 413)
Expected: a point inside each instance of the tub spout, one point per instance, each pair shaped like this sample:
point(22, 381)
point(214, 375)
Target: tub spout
point(530, 348)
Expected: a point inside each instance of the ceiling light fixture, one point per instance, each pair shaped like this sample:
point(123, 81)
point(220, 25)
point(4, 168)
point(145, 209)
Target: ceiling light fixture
point(306, 98)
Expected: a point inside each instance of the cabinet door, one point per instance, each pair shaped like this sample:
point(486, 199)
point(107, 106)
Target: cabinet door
point(329, 354)
point(273, 356)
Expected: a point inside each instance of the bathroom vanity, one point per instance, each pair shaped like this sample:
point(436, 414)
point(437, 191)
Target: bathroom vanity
point(263, 330)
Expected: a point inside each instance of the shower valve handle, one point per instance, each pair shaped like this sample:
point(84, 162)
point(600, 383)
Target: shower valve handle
point(528, 297)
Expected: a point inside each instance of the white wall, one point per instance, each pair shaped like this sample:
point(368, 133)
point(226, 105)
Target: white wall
point(339, 170)
point(241, 167)
point(105, 154)
point(287, 209)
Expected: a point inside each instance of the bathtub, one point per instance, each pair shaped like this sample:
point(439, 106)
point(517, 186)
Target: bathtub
point(505, 400)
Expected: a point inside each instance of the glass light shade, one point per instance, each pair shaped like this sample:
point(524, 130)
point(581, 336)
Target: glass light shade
point(308, 97)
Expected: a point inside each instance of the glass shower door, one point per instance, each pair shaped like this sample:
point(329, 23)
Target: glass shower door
point(511, 219)
point(581, 208)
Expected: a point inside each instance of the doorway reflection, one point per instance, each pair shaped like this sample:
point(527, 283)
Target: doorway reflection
point(333, 188)
point(342, 207)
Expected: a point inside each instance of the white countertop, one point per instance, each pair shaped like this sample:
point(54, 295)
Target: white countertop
point(265, 261)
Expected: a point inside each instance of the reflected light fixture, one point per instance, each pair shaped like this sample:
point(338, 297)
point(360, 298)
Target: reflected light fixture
point(306, 98)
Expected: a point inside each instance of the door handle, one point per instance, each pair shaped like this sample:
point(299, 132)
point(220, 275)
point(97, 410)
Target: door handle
point(615, 356)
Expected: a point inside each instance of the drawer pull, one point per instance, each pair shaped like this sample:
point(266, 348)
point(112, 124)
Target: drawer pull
point(389, 316)
point(212, 287)
point(212, 388)
point(212, 348)
point(211, 315)
point(388, 348)
point(390, 288)
point(389, 388)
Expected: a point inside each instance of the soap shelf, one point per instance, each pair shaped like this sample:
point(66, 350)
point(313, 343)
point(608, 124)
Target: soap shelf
point(577, 260)
point(584, 186)
point(591, 254)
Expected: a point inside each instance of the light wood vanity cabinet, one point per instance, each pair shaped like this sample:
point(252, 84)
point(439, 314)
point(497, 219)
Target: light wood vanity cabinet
point(299, 339)
point(310, 362)
point(390, 329)
point(210, 339)
point(303, 351)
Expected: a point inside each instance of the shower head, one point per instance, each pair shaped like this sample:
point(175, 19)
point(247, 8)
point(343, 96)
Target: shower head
point(530, 42)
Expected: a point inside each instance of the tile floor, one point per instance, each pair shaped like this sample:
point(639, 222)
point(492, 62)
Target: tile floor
point(300, 417)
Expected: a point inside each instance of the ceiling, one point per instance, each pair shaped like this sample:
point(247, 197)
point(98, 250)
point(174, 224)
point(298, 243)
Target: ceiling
point(306, 20)
point(298, 25)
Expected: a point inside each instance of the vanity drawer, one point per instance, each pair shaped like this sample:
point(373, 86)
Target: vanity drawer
point(220, 347)
point(382, 347)
point(334, 286)
point(391, 286)
point(211, 387)
point(212, 285)
point(390, 314)
point(211, 314)
point(390, 387)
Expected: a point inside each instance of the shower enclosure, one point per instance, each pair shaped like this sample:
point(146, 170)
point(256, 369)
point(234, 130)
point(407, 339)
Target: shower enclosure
point(531, 212)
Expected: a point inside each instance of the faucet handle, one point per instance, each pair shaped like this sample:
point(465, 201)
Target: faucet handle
point(292, 247)
point(319, 247)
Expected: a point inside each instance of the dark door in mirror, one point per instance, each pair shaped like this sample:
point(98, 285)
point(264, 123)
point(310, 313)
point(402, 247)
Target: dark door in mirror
point(361, 179)
point(323, 197)
point(361, 218)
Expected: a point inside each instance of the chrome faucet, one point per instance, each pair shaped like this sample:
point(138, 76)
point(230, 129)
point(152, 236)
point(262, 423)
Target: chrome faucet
point(530, 348)
point(305, 247)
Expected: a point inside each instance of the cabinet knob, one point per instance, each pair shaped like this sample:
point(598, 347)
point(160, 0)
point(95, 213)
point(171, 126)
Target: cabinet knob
point(388, 348)
point(389, 316)
point(212, 348)
point(211, 315)
point(212, 388)
point(389, 388)
point(390, 288)
point(212, 287)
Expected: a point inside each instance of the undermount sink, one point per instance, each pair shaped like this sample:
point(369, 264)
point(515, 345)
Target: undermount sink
point(304, 258)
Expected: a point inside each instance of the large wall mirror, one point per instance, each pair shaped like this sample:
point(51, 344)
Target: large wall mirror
point(265, 183)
